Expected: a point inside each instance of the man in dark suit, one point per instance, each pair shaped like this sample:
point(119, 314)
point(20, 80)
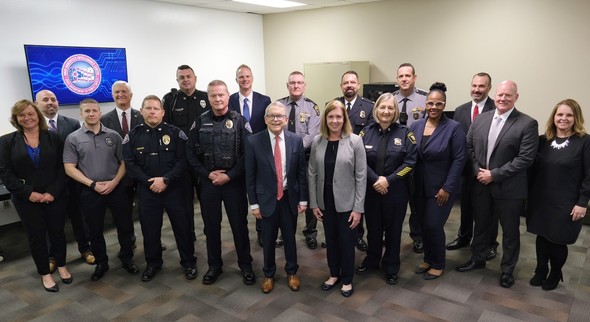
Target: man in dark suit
point(277, 190)
point(123, 119)
point(63, 125)
point(251, 105)
point(502, 145)
point(360, 114)
point(253, 110)
point(465, 114)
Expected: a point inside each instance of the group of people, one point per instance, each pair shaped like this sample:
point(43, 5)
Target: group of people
point(354, 161)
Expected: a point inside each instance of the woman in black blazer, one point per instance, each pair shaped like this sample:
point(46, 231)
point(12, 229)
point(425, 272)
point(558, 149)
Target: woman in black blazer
point(441, 158)
point(31, 168)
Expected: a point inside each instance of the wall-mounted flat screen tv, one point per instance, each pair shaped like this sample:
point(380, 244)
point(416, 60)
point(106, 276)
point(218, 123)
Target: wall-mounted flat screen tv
point(75, 73)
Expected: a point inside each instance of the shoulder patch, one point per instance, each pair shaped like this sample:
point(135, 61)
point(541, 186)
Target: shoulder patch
point(193, 125)
point(317, 109)
point(182, 135)
point(411, 137)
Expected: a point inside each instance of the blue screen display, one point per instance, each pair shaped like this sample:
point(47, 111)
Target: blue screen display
point(75, 73)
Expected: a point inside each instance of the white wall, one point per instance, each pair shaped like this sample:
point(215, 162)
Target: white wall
point(158, 37)
point(543, 45)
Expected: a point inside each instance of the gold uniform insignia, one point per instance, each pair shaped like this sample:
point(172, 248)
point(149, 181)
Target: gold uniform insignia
point(302, 117)
point(411, 137)
point(166, 139)
point(363, 114)
point(229, 124)
point(362, 133)
point(317, 110)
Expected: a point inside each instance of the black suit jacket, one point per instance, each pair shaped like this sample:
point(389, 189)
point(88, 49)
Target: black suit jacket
point(463, 116)
point(66, 125)
point(261, 177)
point(257, 108)
point(18, 172)
point(514, 152)
point(361, 113)
point(111, 120)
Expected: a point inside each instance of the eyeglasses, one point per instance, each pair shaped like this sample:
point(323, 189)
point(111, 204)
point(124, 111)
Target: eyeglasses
point(432, 104)
point(296, 83)
point(276, 116)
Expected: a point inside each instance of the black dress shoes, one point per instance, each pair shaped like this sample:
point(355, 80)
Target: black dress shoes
point(539, 277)
point(361, 245)
point(347, 293)
point(149, 273)
point(248, 277)
point(211, 276)
point(391, 279)
point(506, 280)
point(51, 289)
point(418, 247)
point(361, 269)
point(312, 243)
point(279, 242)
point(99, 272)
point(469, 266)
point(259, 240)
point(457, 243)
point(492, 252)
point(130, 267)
point(327, 287)
point(190, 273)
point(68, 280)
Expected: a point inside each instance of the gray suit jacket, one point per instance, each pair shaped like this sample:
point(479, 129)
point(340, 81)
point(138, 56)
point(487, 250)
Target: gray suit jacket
point(514, 152)
point(350, 174)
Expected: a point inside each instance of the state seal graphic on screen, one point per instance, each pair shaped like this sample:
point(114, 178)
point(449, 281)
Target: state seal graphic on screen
point(81, 74)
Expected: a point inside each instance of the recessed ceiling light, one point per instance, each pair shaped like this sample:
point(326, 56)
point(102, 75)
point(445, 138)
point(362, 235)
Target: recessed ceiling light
point(273, 3)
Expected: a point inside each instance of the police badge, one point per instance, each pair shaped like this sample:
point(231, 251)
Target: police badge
point(166, 139)
point(302, 117)
point(362, 114)
point(229, 124)
point(416, 111)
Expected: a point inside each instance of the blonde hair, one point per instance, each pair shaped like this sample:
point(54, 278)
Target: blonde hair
point(20, 106)
point(577, 129)
point(330, 106)
point(384, 97)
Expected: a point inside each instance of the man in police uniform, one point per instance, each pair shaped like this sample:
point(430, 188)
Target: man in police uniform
point(360, 114)
point(215, 151)
point(411, 102)
point(155, 157)
point(93, 156)
point(304, 119)
point(181, 108)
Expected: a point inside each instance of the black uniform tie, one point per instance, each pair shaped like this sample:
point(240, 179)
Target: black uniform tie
point(403, 117)
point(291, 125)
point(381, 152)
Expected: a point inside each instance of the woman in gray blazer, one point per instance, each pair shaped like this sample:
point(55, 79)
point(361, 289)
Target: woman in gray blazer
point(337, 174)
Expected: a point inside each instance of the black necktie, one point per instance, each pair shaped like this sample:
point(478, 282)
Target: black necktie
point(403, 116)
point(291, 126)
point(348, 107)
point(381, 152)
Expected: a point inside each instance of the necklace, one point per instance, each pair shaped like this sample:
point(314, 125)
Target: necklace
point(561, 145)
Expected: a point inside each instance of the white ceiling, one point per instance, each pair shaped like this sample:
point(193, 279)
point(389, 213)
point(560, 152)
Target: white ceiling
point(250, 8)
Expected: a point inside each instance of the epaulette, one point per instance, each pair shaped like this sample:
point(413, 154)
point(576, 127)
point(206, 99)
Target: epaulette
point(421, 91)
point(284, 99)
point(367, 100)
point(396, 92)
point(309, 100)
